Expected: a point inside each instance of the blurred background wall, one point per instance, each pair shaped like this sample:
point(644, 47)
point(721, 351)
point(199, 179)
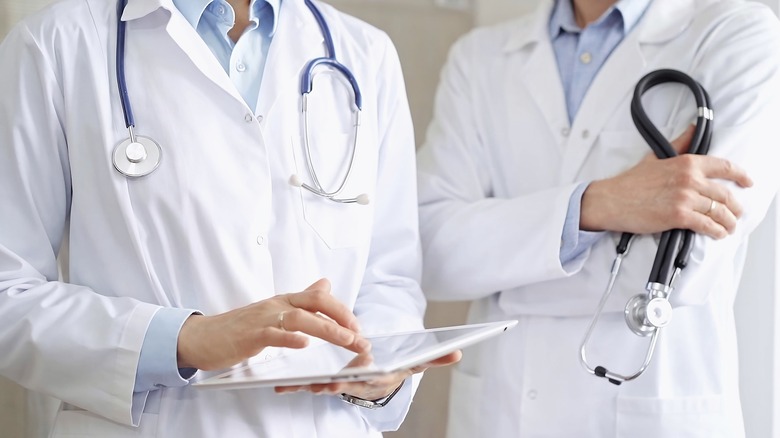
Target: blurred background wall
point(423, 31)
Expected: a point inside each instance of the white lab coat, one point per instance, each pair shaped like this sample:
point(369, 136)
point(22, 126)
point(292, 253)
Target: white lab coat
point(495, 178)
point(216, 227)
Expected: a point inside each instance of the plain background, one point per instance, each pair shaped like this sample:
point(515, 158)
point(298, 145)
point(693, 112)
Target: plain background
point(423, 31)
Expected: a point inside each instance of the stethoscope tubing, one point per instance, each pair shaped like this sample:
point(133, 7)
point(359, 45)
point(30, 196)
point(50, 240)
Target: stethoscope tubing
point(675, 246)
point(139, 156)
point(124, 96)
point(307, 76)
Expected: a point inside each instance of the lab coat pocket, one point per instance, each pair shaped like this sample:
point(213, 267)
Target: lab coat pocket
point(681, 417)
point(338, 224)
point(84, 424)
point(465, 401)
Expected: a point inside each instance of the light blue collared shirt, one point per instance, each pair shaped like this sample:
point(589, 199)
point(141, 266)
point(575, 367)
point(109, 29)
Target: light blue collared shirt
point(244, 62)
point(580, 54)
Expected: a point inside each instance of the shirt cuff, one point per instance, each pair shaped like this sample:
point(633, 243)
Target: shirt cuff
point(574, 241)
point(157, 365)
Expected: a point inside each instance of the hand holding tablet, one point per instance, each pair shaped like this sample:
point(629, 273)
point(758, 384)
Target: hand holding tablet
point(392, 356)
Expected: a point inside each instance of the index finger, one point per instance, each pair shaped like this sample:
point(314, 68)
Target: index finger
point(318, 299)
point(302, 320)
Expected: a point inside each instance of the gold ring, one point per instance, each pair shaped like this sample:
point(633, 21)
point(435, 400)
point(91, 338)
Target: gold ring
point(713, 204)
point(281, 320)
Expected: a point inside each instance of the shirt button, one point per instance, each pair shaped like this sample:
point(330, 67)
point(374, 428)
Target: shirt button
point(531, 394)
point(565, 132)
point(249, 118)
point(586, 58)
point(260, 240)
point(241, 67)
point(221, 10)
point(585, 134)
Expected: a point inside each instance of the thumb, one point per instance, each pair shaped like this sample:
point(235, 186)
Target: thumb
point(683, 142)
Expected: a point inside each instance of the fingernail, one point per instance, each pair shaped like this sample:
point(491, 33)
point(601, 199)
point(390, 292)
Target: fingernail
point(363, 344)
point(347, 336)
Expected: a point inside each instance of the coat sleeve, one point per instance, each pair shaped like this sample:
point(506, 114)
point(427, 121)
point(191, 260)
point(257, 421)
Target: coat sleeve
point(468, 233)
point(57, 338)
point(738, 63)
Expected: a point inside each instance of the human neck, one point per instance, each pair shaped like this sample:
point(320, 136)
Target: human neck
point(588, 11)
point(241, 9)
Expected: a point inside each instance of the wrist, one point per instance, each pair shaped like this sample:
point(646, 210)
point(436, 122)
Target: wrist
point(188, 335)
point(593, 208)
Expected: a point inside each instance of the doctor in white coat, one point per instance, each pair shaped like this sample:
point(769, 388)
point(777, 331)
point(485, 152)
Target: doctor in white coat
point(215, 229)
point(510, 162)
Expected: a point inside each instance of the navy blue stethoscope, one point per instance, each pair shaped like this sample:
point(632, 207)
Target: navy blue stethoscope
point(139, 156)
point(647, 313)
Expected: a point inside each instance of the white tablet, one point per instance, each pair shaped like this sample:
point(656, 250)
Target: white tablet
point(325, 363)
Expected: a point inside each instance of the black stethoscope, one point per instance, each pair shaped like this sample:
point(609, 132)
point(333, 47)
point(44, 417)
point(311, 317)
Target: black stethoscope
point(647, 313)
point(139, 156)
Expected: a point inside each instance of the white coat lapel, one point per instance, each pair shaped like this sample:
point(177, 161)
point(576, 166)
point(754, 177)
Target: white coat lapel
point(664, 20)
point(539, 75)
point(614, 83)
point(297, 41)
point(187, 38)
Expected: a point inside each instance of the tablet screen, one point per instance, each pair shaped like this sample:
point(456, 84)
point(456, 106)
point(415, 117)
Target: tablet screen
point(323, 362)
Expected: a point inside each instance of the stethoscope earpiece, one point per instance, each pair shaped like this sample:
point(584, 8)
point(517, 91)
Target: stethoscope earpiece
point(361, 199)
point(296, 181)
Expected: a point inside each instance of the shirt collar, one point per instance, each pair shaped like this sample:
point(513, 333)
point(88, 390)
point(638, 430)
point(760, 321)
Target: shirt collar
point(192, 10)
point(562, 18)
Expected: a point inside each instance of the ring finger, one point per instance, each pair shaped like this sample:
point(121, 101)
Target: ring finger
point(720, 214)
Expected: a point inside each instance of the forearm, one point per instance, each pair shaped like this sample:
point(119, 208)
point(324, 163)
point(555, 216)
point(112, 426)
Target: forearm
point(496, 243)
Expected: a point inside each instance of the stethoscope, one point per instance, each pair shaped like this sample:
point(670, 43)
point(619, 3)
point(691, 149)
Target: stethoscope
point(647, 313)
point(139, 156)
point(136, 156)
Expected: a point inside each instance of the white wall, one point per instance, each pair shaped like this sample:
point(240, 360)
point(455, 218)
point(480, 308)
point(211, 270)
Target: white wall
point(494, 11)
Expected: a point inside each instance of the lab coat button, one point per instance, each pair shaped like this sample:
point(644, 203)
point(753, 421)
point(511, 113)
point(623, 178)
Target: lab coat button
point(565, 132)
point(585, 134)
point(259, 117)
point(249, 118)
point(260, 240)
point(531, 395)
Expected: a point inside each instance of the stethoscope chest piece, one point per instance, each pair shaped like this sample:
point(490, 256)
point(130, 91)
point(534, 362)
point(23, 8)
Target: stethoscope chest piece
point(644, 316)
point(138, 158)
